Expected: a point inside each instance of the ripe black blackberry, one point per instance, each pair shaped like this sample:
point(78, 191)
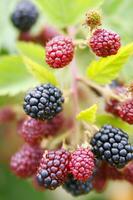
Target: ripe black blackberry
point(76, 187)
point(53, 169)
point(25, 15)
point(43, 102)
point(111, 144)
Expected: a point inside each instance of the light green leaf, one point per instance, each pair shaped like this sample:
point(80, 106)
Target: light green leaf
point(14, 77)
point(66, 12)
point(106, 69)
point(116, 122)
point(39, 72)
point(34, 51)
point(88, 115)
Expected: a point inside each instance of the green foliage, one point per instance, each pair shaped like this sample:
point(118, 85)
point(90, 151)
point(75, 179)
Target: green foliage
point(110, 119)
point(106, 69)
point(88, 115)
point(14, 77)
point(42, 74)
point(66, 12)
point(34, 51)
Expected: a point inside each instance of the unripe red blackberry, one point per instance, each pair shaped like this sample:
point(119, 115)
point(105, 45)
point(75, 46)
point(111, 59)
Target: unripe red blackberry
point(126, 111)
point(25, 15)
point(43, 102)
point(111, 145)
point(7, 114)
point(53, 169)
point(77, 188)
point(128, 172)
point(51, 127)
point(104, 43)
point(25, 162)
point(81, 164)
point(59, 51)
point(46, 34)
point(32, 131)
point(26, 37)
point(112, 107)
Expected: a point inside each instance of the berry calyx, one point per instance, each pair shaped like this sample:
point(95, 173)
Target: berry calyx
point(59, 51)
point(104, 43)
point(111, 145)
point(126, 111)
point(32, 131)
point(77, 188)
point(81, 164)
point(53, 169)
point(25, 15)
point(25, 162)
point(43, 102)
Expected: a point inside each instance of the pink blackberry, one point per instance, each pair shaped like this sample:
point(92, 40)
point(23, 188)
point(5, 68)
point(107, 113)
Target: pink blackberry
point(104, 42)
point(32, 131)
point(81, 164)
point(59, 52)
point(126, 111)
point(128, 172)
point(26, 161)
point(7, 114)
point(51, 127)
point(26, 36)
point(53, 169)
point(112, 107)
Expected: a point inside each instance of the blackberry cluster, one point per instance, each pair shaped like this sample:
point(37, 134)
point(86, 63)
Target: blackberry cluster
point(53, 169)
point(43, 102)
point(105, 43)
point(25, 15)
point(59, 51)
point(81, 164)
point(26, 161)
point(76, 187)
point(111, 144)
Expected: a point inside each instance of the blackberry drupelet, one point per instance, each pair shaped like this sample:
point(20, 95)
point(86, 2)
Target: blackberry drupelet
point(53, 169)
point(43, 102)
point(111, 144)
point(25, 15)
point(76, 187)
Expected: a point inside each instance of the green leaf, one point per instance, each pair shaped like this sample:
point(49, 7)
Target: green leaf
point(14, 77)
point(66, 12)
point(42, 74)
point(105, 70)
point(34, 51)
point(88, 115)
point(116, 122)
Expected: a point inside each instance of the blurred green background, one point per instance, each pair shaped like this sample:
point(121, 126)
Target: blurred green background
point(118, 16)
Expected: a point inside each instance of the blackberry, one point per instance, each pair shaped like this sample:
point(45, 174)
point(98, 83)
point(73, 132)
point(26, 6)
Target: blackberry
point(76, 187)
point(111, 145)
point(81, 164)
point(32, 131)
point(25, 15)
point(105, 43)
point(128, 172)
point(53, 169)
point(26, 161)
point(59, 51)
point(93, 19)
point(7, 114)
point(126, 111)
point(43, 102)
